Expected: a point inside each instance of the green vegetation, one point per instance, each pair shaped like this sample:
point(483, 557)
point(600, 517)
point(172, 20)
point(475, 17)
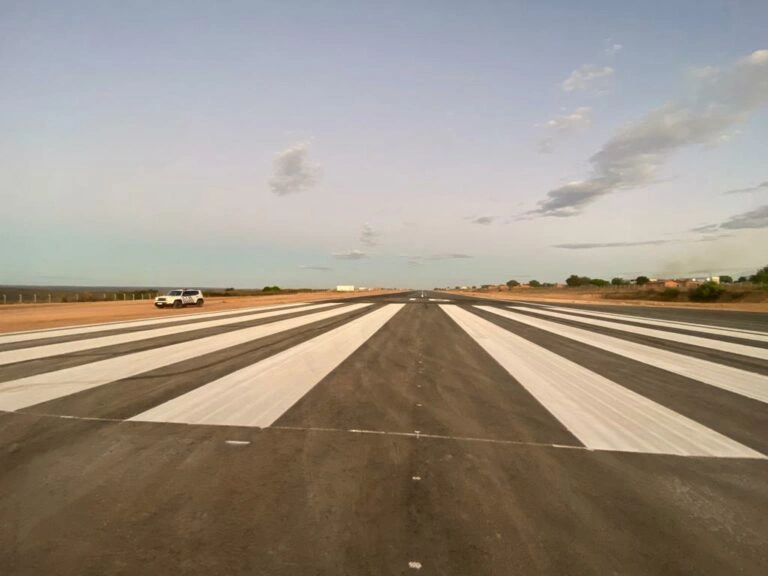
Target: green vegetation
point(513, 283)
point(726, 280)
point(761, 277)
point(534, 284)
point(707, 292)
point(271, 289)
point(618, 281)
point(642, 280)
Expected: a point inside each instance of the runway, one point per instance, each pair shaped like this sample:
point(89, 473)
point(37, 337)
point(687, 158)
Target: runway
point(420, 432)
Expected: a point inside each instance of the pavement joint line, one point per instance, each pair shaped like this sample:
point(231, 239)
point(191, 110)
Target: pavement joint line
point(417, 435)
point(237, 442)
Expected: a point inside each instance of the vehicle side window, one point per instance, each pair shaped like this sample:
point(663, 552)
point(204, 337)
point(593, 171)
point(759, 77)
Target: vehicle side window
point(190, 293)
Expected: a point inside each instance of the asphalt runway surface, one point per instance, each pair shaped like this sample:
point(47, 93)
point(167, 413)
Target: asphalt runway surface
point(418, 433)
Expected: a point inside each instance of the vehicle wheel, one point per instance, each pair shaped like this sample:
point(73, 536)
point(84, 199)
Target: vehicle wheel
point(160, 305)
point(199, 303)
point(177, 304)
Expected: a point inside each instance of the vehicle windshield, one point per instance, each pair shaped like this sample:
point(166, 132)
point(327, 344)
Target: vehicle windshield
point(174, 293)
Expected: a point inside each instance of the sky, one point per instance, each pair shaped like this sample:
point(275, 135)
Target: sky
point(401, 143)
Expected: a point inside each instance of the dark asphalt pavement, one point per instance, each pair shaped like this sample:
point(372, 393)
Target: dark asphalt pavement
point(405, 434)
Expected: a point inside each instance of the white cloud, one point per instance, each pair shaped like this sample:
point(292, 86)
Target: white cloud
point(350, 255)
point(564, 124)
point(612, 48)
point(293, 172)
point(580, 117)
point(634, 156)
point(582, 78)
point(369, 236)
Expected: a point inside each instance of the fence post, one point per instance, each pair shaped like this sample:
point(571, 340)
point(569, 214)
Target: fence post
point(49, 298)
point(77, 297)
point(3, 298)
point(20, 299)
point(34, 298)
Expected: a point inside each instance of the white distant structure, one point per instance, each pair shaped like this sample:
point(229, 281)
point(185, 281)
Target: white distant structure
point(345, 288)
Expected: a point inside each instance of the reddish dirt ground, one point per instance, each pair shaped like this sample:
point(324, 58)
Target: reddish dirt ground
point(17, 317)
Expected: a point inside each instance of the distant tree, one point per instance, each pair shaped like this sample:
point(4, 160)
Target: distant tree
point(761, 277)
point(742, 279)
point(618, 281)
point(574, 280)
point(599, 282)
point(513, 283)
point(271, 289)
point(534, 284)
point(642, 280)
point(726, 279)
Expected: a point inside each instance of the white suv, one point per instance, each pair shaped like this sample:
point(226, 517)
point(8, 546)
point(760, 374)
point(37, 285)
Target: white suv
point(179, 298)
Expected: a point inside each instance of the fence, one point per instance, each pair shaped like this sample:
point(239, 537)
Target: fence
point(31, 297)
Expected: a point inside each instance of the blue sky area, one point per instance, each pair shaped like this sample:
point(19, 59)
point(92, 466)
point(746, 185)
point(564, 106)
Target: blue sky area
point(398, 143)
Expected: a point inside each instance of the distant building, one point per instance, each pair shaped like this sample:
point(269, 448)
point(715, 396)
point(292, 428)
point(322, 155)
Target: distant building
point(345, 288)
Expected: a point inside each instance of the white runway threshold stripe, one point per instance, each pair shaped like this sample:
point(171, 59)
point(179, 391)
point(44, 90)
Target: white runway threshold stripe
point(46, 351)
point(659, 323)
point(743, 382)
point(25, 392)
point(730, 347)
point(602, 414)
point(259, 394)
point(128, 324)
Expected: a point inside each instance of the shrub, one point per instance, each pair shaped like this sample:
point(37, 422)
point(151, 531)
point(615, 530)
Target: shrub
point(669, 294)
point(707, 292)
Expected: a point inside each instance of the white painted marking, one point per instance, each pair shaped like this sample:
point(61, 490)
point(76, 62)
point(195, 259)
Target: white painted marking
point(414, 565)
point(261, 393)
point(238, 442)
point(703, 328)
point(411, 299)
point(602, 414)
point(15, 394)
point(730, 347)
point(438, 300)
point(416, 478)
point(734, 380)
point(92, 328)
point(24, 354)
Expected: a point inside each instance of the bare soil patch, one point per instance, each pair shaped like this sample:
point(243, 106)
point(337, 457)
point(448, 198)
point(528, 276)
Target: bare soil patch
point(17, 317)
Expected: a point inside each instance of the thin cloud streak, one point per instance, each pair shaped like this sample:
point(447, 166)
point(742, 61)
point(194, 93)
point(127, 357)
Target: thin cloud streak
point(583, 77)
point(350, 255)
point(757, 218)
point(762, 187)
point(593, 245)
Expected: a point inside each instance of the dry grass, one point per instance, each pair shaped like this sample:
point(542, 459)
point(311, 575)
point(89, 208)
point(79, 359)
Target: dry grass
point(16, 317)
